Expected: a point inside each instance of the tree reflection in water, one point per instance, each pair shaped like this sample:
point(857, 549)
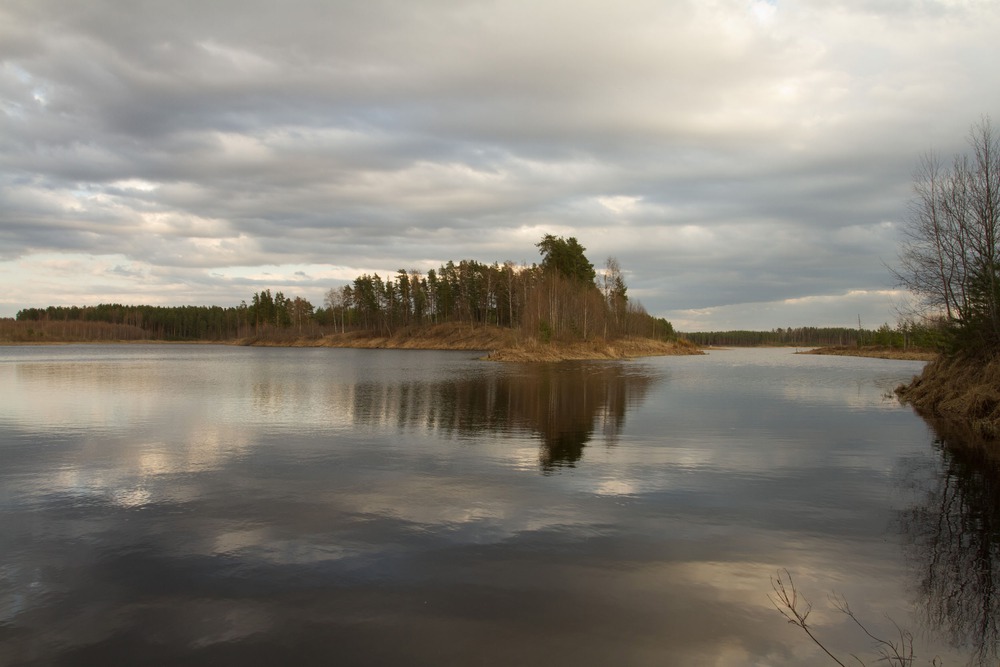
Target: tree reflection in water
point(955, 536)
point(562, 403)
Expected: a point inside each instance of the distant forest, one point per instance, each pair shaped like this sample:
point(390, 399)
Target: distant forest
point(562, 298)
point(906, 334)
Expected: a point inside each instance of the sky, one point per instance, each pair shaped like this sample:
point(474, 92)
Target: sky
point(749, 163)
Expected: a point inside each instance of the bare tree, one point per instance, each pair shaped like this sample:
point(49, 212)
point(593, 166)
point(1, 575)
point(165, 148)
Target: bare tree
point(613, 286)
point(336, 300)
point(950, 257)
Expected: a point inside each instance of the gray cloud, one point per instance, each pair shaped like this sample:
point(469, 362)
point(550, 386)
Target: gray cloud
point(727, 152)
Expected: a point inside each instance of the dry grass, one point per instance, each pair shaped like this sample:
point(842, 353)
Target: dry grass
point(963, 390)
point(626, 348)
point(876, 352)
point(437, 337)
point(500, 344)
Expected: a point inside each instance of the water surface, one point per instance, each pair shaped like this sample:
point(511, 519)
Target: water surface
point(252, 506)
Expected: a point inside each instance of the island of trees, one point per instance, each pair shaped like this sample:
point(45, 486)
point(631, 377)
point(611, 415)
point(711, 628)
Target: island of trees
point(951, 260)
point(562, 300)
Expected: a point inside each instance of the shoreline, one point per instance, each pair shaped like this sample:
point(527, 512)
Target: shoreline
point(960, 392)
point(497, 344)
point(874, 352)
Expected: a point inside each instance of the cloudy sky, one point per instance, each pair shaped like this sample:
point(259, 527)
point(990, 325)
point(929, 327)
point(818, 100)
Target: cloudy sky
point(748, 162)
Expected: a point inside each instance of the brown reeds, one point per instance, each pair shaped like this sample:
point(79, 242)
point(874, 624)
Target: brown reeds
point(964, 390)
point(500, 343)
point(503, 344)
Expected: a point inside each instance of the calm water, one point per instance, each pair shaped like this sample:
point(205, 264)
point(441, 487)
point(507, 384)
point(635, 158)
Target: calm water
point(197, 505)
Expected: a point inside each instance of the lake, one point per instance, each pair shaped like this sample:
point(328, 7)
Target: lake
point(215, 505)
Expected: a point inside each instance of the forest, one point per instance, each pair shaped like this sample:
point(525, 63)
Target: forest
point(562, 298)
point(908, 333)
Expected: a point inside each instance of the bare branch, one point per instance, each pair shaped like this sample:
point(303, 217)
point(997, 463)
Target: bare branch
point(786, 601)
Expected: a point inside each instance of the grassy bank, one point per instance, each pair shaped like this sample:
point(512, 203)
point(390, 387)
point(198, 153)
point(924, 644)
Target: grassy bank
point(625, 348)
point(962, 391)
point(499, 343)
point(876, 352)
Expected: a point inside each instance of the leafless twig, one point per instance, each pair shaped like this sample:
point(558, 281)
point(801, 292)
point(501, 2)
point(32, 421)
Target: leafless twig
point(895, 653)
point(796, 609)
point(786, 600)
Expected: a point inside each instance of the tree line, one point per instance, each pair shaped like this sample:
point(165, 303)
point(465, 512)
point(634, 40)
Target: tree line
point(908, 333)
point(561, 298)
point(154, 322)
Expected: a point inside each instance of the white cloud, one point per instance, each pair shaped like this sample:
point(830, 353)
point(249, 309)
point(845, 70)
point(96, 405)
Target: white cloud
point(728, 153)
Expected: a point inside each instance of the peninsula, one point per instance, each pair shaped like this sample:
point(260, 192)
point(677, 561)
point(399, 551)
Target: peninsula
point(562, 308)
